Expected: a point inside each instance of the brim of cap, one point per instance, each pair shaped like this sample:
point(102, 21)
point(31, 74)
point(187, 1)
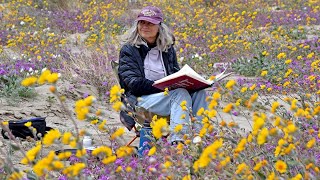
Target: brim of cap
point(153, 21)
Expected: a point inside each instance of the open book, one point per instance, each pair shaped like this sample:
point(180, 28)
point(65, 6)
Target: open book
point(187, 78)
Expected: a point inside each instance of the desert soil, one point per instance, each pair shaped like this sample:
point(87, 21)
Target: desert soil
point(45, 104)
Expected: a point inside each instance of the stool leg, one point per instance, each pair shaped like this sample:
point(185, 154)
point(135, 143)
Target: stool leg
point(137, 135)
point(132, 141)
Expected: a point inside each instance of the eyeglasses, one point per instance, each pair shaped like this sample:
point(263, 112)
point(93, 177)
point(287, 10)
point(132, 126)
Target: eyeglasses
point(146, 23)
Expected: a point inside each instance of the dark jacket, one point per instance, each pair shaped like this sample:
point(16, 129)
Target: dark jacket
point(131, 71)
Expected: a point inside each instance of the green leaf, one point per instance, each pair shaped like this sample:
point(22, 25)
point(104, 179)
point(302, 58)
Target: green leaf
point(14, 147)
point(261, 175)
point(32, 176)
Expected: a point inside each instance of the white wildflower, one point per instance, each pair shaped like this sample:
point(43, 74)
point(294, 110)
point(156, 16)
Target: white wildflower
point(196, 139)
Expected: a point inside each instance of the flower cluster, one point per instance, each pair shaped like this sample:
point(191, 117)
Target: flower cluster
point(265, 126)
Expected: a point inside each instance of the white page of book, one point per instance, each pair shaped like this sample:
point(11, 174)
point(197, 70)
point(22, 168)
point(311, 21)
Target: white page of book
point(185, 70)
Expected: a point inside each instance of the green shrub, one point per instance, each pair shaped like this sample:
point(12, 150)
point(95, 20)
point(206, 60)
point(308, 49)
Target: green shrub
point(11, 89)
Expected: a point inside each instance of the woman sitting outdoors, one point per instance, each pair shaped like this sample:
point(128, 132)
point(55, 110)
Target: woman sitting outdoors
point(147, 54)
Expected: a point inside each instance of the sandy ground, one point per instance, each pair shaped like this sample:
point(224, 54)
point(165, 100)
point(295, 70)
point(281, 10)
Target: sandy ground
point(44, 105)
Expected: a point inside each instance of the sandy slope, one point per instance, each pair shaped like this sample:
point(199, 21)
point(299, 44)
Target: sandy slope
point(43, 106)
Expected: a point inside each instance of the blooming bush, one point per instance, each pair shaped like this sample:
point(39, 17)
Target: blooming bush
point(264, 127)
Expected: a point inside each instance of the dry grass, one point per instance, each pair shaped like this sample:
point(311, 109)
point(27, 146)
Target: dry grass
point(92, 68)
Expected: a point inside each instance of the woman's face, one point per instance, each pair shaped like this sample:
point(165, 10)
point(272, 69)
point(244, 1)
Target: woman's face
point(148, 31)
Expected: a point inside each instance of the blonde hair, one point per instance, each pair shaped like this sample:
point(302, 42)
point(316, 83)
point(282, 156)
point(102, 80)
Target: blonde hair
point(163, 41)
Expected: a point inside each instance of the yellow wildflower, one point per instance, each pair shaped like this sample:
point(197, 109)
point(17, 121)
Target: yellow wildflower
point(44, 164)
point(244, 89)
point(203, 131)
point(160, 128)
point(216, 95)
point(212, 104)
point(187, 177)
point(52, 89)
point(281, 55)
point(254, 97)
point(183, 116)
point(117, 106)
point(287, 83)
point(210, 152)
point(288, 61)
point(264, 73)
point(166, 92)
point(109, 159)
point(89, 100)
point(178, 128)
point(297, 177)
point(52, 78)
point(241, 167)
point(28, 124)
point(225, 161)
point(102, 125)
point(230, 84)
point(262, 137)
point(94, 121)
point(119, 132)
point(152, 151)
point(124, 151)
point(291, 128)
point(43, 77)
point(102, 150)
point(223, 123)
point(281, 166)
point(16, 175)
point(310, 55)
point(66, 137)
point(274, 106)
point(51, 136)
point(119, 168)
point(81, 152)
point(183, 103)
point(232, 124)
point(228, 108)
point(115, 93)
point(242, 144)
point(167, 164)
point(271, 176)
point(258, 122)
point(250, 137)
point(128, 169)
point(311, 143)
point(212, 113)
point(253, 87)
point(74, 169)
point(31, 154)
point(200, 112)
point(57, 165)
point(64, 155)
point(294, 104)
point(98, 112)
point(29, 81)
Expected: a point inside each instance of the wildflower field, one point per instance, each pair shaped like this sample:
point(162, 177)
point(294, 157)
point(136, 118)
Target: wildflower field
point(262, 123)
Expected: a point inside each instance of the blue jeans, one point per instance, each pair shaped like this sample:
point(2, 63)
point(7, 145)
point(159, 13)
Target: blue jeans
point(170, 105)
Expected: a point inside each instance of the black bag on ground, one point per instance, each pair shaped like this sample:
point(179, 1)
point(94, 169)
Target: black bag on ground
point(18, 128)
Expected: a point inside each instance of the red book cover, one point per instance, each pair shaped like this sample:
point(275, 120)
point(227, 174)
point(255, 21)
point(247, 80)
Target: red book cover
point(183, 81)
point(187, 78)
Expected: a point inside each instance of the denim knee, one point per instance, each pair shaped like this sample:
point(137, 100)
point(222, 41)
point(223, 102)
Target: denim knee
point(182, 94)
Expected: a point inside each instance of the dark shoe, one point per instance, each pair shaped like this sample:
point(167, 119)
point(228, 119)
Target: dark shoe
point(176, 143)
